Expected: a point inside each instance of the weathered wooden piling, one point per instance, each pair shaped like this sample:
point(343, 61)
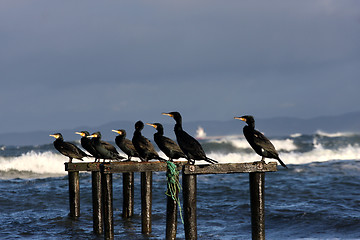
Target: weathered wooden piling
point(146, 201)
point(257, 185)
point(128, 195)
point(171, 215)
point(97, 202)
point(107, 199)
point(189, 199)
point(74, 194)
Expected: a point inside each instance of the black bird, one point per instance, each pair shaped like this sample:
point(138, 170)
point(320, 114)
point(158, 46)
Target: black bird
point(125, 144)
point(68, 149)
point(168, 146)
point(104, 149)
point(86, 143)
point(143, 145)
point(258, 141)
point(189, 145)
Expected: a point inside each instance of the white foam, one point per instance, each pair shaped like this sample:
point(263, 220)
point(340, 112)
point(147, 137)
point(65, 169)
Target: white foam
point(295, 135)
point(318, 154)
point(336, 134)
point(242, 143)
point(42, 163)
point(284, 145)
point(50, 163)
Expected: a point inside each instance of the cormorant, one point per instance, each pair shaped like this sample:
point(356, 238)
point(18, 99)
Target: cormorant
point(125, 144)
point(104, 149)
point(68, 149)
point(142, 145)
point(168, 146)
point(189, 145)
point(86, 143)
point(258, 141)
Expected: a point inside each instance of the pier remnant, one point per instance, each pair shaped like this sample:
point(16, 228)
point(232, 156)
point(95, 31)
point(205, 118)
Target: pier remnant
point(97, 202)
point(107, 199)
point(257, 189)
point(74, 194)
point(189, 182)
point(146, 201)
point(128, 195)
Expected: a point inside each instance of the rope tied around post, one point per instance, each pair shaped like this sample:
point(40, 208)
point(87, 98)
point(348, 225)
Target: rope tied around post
point(173, 184)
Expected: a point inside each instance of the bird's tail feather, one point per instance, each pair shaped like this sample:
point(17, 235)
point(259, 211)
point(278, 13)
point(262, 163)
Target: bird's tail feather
point(118, 157)
point(282, 163)
point(209, 160)
point(161, 159)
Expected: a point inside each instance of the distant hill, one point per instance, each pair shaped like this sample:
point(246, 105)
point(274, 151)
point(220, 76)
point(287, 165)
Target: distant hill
point(280, 126)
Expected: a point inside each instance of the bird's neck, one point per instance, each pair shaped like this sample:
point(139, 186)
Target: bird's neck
point(84, 140)
point(160, 132)
point(96, 140)
point(137, 133)
point(251, 125)
point(120, 137)
point(178, 127)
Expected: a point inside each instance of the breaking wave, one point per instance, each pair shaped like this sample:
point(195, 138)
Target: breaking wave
point(45, 161)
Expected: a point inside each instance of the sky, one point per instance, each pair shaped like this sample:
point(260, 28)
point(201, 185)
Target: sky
point(65, 64)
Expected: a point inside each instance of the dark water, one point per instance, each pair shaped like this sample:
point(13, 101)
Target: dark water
point(316, 198)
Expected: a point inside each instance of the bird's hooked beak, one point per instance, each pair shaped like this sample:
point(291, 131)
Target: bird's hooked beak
point(240, 118)
point(168, 114)
point(117, 131)
point(54, 135)
point(93, 135)
point(153, 125)
point(80, 133)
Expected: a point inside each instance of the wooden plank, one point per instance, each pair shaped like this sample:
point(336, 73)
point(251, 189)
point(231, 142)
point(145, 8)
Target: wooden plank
point(82, 166)
point(120, 167)
point(153, 166)
point(230, 168)
point(157, 166)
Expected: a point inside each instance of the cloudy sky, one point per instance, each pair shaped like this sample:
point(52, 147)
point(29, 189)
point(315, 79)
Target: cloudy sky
point(65, 64)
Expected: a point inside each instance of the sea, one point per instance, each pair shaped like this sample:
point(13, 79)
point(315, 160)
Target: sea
point(317, 197)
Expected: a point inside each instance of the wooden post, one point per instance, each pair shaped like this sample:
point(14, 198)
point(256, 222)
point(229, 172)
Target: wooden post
point(97, 203)
point(189, 199)
point(146, 201)
point(74, 194)
point(128, 195)
point(257, 189)
point(107, 199)
point(171, 216)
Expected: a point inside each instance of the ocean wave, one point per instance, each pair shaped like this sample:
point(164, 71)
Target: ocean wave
point(336, 134)
point(241, 143)
point(318, 154)
point(41, 162)
point(45, 163)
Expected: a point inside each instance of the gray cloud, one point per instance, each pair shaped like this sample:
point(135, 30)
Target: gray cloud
point(62, 62)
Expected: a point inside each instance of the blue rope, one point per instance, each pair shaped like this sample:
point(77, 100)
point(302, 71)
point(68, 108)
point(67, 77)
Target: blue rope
point(173, 185)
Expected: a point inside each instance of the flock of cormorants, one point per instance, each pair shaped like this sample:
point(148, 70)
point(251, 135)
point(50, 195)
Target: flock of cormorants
point(141, 147)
